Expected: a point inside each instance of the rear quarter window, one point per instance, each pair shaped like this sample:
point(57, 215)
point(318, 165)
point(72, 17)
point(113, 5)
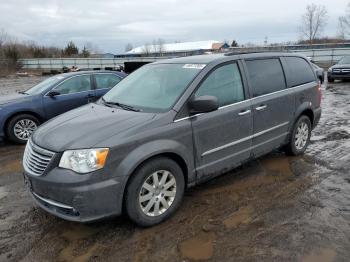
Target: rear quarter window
point(266, 76)
point(300, 71)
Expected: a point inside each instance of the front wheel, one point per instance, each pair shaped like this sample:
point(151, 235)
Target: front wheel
point(330, 80)
point(21, 127)
point(300, 136)
point(155, 191)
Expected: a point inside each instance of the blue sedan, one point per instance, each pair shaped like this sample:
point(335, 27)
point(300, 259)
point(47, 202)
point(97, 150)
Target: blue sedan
point(20, 114)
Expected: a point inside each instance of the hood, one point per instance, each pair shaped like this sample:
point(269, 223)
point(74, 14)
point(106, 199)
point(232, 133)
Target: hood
point(84, 127)
point(13, 98)
point(341, 66)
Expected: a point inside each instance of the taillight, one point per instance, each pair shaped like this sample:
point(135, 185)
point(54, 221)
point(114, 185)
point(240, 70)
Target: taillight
point(319, 91)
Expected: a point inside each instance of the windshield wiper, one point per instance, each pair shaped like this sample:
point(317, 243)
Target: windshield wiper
point(124, 106)
point(23, 92)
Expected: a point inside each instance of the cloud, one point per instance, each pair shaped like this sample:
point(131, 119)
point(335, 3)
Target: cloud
point(112, 24)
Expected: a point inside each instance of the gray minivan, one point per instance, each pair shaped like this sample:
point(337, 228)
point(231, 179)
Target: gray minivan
point(166, 127)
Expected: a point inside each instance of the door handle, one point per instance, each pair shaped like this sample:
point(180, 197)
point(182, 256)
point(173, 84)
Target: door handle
point(244, 112)
point(261, 107)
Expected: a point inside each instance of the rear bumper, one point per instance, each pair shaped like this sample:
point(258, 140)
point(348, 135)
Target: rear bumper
point(78, 198)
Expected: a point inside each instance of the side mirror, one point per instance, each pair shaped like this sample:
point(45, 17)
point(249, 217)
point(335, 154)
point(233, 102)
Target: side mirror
point(53, 93)
point(203, 104)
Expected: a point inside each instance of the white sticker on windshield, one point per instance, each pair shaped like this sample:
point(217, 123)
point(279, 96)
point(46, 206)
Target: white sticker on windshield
point(194, 66)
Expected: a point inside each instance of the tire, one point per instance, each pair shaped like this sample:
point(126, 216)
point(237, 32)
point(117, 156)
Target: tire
point(302, 128)
point(138, 211)
point(330, 80)
point(28, 122)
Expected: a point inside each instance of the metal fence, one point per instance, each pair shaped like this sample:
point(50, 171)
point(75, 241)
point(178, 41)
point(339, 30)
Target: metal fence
point(86, 63)
point(326, 55)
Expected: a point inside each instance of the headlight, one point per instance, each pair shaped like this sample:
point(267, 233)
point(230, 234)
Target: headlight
point(84, 160)
point(330, 69)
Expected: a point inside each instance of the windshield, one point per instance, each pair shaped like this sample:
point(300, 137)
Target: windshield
point(43, 85)
point(154, 87)
point(344, 60)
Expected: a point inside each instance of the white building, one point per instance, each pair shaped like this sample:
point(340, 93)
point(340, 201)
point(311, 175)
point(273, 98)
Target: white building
point(178, 49)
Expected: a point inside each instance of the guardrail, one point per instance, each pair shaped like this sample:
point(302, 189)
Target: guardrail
point(327, 55)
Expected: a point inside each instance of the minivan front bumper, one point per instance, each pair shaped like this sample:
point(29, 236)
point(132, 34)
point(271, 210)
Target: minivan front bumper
point(338, 75)
point(75, 197)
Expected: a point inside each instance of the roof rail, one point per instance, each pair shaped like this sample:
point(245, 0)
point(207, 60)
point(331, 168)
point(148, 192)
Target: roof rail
point(250, 52)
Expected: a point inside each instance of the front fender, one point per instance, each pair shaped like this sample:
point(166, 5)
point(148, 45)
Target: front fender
point(154, 148)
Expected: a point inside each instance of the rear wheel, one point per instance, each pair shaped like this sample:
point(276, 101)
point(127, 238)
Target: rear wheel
point(300, 136)
point(21, 127)
point(155, 191)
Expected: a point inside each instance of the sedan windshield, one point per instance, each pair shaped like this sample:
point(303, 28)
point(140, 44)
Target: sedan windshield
point(344, 60)
point(42, 86)
point(154, 87)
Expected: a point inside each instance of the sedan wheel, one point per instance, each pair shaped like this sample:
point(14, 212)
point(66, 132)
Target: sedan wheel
point(20, 127)
point(24, 128)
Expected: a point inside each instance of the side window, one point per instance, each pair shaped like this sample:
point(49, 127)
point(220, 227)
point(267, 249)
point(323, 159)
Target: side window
point(74, 85)
point(300, 71)
point(106, 80)
point(266, 76)
point(225, 83)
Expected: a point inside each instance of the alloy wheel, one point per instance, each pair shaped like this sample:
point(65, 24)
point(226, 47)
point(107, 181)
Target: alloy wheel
point(301, 136)
point(157, 193)
point(24, 128)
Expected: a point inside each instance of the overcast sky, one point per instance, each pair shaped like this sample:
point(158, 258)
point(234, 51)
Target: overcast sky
point(112, 24)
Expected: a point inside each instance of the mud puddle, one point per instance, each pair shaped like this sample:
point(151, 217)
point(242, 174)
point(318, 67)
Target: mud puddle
point(199, 247)
point(325, 255)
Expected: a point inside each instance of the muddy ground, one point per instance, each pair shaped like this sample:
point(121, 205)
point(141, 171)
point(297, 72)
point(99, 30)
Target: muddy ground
point(276, 208)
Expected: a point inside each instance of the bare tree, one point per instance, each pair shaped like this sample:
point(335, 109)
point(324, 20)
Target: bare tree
point(3, 37)
point(157, 47)
point(128, 47)
point(160, 46)
point(154, 46)
point(146, 50)
point(92, 48)
point(342, 27)
point(313, 21)
point(344, 24)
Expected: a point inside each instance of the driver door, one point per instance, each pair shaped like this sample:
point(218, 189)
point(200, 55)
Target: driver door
point(73, 92)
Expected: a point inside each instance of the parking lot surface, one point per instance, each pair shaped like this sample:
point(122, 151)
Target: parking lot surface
point(275, 208)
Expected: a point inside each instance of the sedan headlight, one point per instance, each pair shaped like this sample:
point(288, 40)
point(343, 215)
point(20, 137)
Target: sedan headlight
point(84, 160)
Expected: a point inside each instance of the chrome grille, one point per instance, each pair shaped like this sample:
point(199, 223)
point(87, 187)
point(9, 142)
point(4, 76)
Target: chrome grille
point(341, 70)
point(36, 159)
